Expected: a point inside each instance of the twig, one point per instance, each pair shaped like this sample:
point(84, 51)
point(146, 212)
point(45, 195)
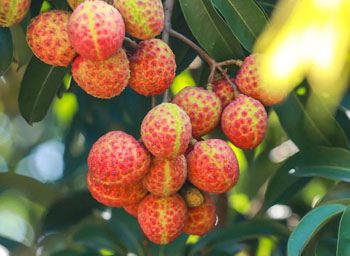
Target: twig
point(132, 43)
point(154, 101)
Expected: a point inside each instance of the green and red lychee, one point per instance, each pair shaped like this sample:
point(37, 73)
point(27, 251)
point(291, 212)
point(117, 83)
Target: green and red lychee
point(244, 122)
point(74, 3)
point(223, 89)
point(201, 219)
point(166, 177)
point(96, 30)
point(152, 68)
point(249, 83)
point(13, 12)
point(144, 19)
point(118, 158)
point(166, 131)
point(132, 209)
point(213, 166)
point(202, 106)
point(115, 195)
point(104, 78)
point(162, 219)
point(47, 36)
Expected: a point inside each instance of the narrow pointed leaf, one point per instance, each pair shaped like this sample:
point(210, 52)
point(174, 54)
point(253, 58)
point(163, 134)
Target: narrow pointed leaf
point(343, 247)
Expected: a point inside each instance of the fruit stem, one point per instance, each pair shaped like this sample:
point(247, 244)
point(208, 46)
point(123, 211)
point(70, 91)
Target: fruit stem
point(154, 101)
point(131, 42)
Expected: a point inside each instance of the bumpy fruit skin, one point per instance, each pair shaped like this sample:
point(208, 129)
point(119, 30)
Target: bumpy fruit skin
point(13, 12)
point(224, 91)
point(202, 106)
point(132, 209)
point(244, 122)
point(104, 78)
point(201, 219)
point(166, 131)
point(249, 83)
point(118, 158)
point(212, 166)
point(96, 30)
point(166, 177)
point(48, 38)
point(74, 3)
point(152, 68)
point(144, 19)
point(115, 195)
point(162, 218)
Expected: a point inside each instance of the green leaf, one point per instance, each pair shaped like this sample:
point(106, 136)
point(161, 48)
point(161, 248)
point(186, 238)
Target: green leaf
point(245, 18)
point(339, 194)
point(6, 50)
point(309, 225)
point(343, 247)
point(210, 30)
point(21, 52)
point(38, 89)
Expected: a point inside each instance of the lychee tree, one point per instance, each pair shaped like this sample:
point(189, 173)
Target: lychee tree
point(169, 141)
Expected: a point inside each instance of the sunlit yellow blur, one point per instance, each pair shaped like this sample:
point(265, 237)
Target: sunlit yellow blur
point(181, 81)
point(306, 39)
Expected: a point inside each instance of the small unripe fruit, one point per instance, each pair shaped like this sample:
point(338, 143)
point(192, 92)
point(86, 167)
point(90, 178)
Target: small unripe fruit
point(162, 219)
point(132, 209)
point(244, 122)
point(166, 131)
point(212, 166)
point(202, 106)
point(166, 177)
point(193, 196)
point(13, 12)
point(47, 36)
point(103, 78)
point(201, 219)
point(152, 68)
point(96, 30)
point(115, 195)
point(118, 158)
point(74, 3)
point(144, 19)
point(223, 89)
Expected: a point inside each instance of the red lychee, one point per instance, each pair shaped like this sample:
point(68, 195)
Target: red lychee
point(118, 158)
point(162, 219)
point(152, 68)
point(202, 106)
point(223, 89)
point(201, 219)
point(244, 122)
point(48, 38)
point(13, 12)
point(166, 131)
point(166, 177)
point(74, 3)
point(132, 209)
point(212, 166)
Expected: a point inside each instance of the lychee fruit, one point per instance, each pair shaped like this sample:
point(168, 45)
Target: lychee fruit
point(166, 177)
point(13, 12)
point(152, 68)
point(96, 30)
point(48, 38)
point(166, 131)
point(201, 219)
point(249, 83)
point(144, 19)
point(132, 209)
point(74, 3)
point(162, 219)
point(115, 195)
point(223, 89)
point(212, 166)
point(118, 158)
point(103, 78)
point(202, 106)
point(244, 122)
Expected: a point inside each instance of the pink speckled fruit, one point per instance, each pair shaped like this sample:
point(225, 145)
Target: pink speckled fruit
point(103, 78)
point(162, 218)
point(201, 219)
point(144, 19)
point(118, 158)
point(248, 82)
point(74, 3)
point(152, 68)
point(166, 177)
point(132, 209)
point(244, 122)
point(202, 106)
point(212, 166)
point(96, 30)
point(224, 91)
point(13, 12)
point(115, 195)
point(48, 38)
point(166, 131)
